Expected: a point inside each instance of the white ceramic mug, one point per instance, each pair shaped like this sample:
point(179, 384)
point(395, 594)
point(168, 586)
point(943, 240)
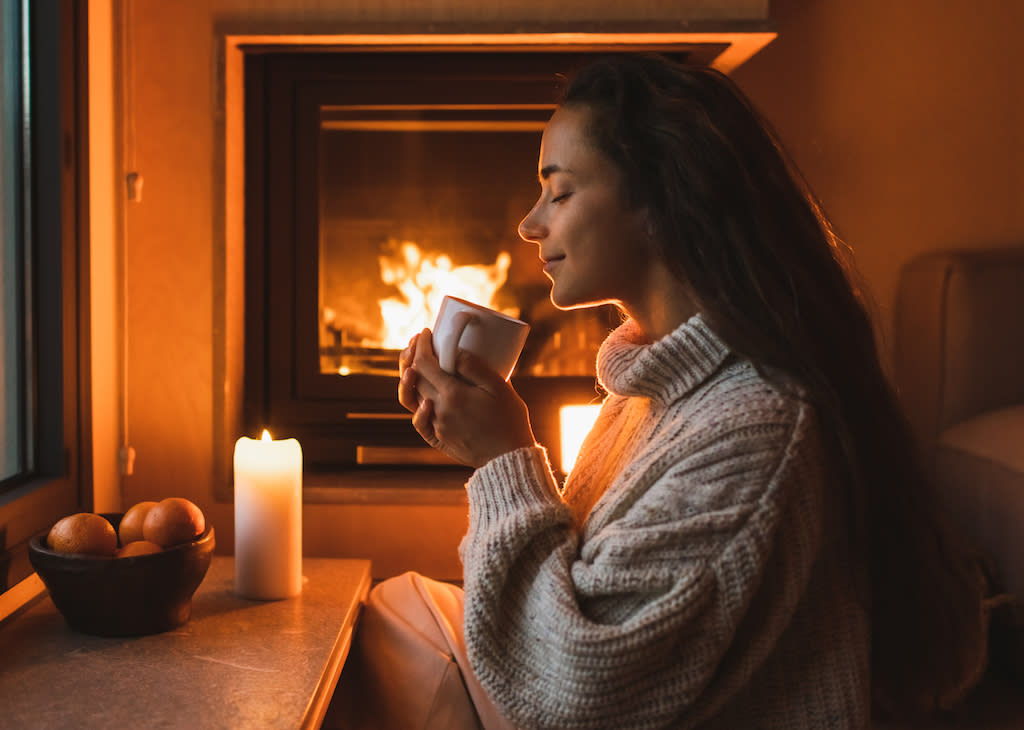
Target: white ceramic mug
point(496, 337)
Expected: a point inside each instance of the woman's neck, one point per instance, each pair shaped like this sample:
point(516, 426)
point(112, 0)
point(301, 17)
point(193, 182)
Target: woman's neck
point(662, 305)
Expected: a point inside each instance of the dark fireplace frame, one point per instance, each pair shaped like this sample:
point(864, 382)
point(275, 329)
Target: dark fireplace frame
point(353, 423)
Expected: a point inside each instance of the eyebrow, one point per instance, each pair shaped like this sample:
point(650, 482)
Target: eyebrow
point(550, 170)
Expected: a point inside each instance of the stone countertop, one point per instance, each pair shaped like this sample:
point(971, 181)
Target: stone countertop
point(236, 663)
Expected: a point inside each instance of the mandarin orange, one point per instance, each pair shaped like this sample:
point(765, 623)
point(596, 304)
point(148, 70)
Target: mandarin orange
point(173, 521)
point(83, 532)
point(138, 547)
point(130, 528)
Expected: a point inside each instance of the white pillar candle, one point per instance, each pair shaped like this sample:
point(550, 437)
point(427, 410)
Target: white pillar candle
point(268, 517)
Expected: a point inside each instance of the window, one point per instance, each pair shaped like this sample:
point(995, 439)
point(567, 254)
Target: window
point(12, 341)
point(41, 262)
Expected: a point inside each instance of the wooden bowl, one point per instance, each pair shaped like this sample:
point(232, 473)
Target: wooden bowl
point(133, 596)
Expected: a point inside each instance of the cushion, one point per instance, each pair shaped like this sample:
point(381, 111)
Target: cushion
point(980, 478)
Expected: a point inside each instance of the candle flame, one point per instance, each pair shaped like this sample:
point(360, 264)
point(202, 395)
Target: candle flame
point(266, 436)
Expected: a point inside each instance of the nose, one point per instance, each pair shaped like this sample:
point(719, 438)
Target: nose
point(531, 228)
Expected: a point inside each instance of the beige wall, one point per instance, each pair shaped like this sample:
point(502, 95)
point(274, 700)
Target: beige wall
point(904, 124)
point(907, 118)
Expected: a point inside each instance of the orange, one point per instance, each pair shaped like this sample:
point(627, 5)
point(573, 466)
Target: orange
point(173, 521)
point(84, 532)
point(130, 528)
point(138, 547)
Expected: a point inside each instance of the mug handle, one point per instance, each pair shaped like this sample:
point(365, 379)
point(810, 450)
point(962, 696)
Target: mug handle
point(449, 347)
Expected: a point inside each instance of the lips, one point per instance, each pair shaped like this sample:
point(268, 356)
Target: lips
point(551, 263)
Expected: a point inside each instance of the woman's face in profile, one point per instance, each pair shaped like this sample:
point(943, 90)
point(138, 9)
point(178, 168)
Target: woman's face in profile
point(594, 247)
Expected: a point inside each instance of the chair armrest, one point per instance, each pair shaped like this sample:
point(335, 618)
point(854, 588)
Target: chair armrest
point(959, 337)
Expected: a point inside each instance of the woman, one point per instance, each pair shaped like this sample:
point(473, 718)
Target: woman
point(745, 539)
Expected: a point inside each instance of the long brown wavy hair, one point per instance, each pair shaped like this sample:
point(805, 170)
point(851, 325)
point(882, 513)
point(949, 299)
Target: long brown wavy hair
point(741, 228)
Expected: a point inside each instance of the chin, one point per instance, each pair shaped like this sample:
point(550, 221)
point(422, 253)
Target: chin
point(565, 301)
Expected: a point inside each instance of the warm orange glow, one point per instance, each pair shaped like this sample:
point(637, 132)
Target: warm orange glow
point(266, 436)
point(737, 46)
point(575, 422)
point(423, 280)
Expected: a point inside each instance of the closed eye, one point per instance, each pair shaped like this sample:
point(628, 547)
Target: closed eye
point(560, 198)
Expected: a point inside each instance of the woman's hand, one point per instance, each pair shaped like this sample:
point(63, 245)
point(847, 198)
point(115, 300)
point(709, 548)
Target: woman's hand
point(472, 416)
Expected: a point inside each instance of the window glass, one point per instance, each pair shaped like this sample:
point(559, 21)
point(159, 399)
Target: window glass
point(12, 382)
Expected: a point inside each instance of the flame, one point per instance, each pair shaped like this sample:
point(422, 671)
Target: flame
point(266, 436)
point(423, 280)
point(575, 423)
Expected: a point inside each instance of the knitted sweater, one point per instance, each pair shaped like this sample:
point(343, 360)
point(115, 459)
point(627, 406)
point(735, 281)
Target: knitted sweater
point(687, 574)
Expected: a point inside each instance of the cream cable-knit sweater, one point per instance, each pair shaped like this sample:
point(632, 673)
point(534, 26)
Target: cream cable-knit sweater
point(703, 587)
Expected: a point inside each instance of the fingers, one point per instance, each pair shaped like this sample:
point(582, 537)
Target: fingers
point(430, 376)
point(423, 422)
point(408, 394)
point(405, 358)
point(425, 347)
point(421, 407)
point(419, 372)
point(474, 369)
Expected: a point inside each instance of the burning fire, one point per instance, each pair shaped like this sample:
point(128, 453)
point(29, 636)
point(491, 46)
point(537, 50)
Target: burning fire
point(423, 280)
point(575, 422)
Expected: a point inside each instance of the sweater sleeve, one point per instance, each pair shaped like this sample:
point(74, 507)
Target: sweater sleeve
point(630, 628)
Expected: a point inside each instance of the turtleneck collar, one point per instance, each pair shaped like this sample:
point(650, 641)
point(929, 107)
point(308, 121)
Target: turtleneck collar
point(664, 371)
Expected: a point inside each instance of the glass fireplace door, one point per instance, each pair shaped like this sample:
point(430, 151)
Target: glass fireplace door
point(416, 202)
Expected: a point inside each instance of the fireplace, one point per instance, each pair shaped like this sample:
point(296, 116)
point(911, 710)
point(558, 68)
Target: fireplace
point(376, 182)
